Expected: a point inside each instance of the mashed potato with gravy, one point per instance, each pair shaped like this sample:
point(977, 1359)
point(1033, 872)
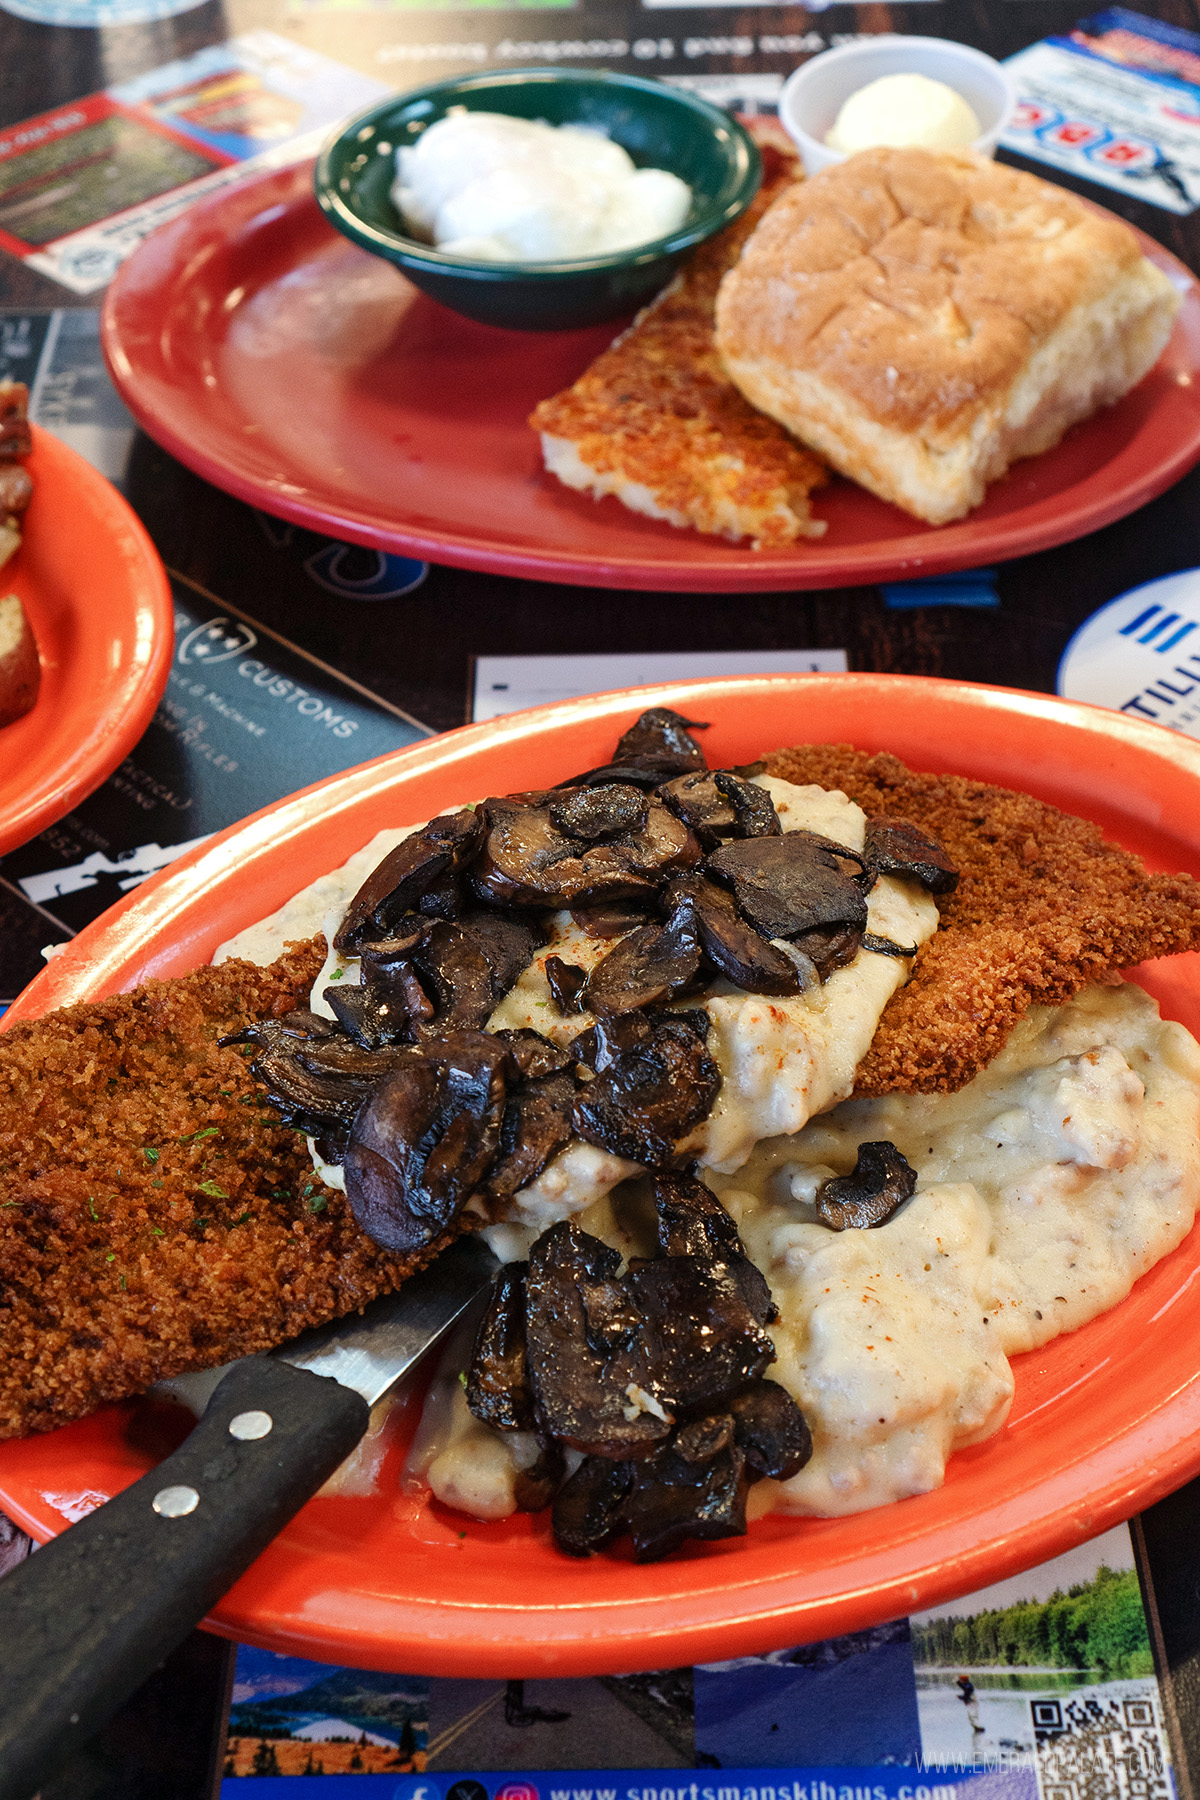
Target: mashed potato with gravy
point(1045, 1188)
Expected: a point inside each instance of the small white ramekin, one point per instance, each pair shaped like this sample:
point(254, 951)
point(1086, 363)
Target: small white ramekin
point(814, 93)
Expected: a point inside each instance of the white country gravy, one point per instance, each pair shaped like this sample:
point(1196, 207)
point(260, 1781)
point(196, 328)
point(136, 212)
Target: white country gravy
point(1064, 1171)
point(780, 1060)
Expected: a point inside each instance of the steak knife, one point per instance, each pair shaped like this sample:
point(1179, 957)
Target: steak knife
point(89, 1617)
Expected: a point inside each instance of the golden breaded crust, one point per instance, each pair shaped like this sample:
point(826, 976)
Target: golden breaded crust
point(154, 1215)
point(656, 420)
point(1044, 905)
point(924, 318)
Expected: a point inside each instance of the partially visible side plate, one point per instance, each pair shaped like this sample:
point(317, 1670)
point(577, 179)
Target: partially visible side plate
point(1105, 1420)
point(98, 599)
point(312, 380)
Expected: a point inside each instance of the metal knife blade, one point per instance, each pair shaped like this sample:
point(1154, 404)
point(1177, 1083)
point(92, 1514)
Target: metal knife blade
point(87, 1619)
point(372, 1350)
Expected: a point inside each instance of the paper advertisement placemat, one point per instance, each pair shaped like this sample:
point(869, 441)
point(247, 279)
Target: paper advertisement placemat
point(83, 184)
point(246, 718)
point(1117, 101)
point(507, 684)
point(1140, 654)
point(1042, 1686)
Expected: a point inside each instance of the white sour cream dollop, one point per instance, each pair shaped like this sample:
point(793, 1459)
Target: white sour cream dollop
point(902, 111)
point(501, 189)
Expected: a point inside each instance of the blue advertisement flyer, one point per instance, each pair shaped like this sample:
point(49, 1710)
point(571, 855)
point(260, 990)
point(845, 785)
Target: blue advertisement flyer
point(1115, 101)
point(1041, 1688)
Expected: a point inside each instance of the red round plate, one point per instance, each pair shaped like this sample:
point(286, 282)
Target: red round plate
point(1105, 1420)
point(309, 378)
point(97, 597)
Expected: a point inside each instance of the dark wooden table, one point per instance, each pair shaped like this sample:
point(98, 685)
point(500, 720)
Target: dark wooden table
point(416, 651)
point(456, 614)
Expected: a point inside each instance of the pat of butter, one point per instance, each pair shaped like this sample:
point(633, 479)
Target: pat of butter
point(901, 111)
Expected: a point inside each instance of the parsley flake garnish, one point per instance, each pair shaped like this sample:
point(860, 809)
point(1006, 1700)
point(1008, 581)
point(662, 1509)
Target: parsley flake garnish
point(318, 1203)
point(210, 1187)
point(150, 1155)
point(92, 1209)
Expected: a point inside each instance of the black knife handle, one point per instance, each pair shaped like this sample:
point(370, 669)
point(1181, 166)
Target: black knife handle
point(90, 1616)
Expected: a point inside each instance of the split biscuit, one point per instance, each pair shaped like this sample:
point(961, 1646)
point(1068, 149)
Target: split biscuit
point(922, 319)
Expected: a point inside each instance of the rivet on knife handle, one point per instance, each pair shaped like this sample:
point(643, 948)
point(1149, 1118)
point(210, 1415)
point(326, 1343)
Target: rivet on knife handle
point(90, 1616)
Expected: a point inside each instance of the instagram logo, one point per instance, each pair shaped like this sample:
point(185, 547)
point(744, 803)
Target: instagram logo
point(518, 1790)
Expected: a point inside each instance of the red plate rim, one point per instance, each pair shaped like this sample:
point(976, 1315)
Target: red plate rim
point(93, 582)
point(790, 1580)
point(150, 389)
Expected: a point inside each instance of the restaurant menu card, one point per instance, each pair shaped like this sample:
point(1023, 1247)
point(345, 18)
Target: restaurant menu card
point(506, 684)
point(246, 718)
point(82, 185)
point(1116, 101)
point(1041, 1688)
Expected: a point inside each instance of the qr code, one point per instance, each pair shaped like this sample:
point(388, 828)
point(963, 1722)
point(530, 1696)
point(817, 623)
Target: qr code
point(1101, 1746)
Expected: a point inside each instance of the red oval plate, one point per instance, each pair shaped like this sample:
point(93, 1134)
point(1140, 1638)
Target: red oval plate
point(1105, 1420)
point(98, 599)
point(312, 380)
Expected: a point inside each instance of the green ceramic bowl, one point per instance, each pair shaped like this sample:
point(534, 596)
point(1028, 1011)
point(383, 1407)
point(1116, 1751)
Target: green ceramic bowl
point(660, 127)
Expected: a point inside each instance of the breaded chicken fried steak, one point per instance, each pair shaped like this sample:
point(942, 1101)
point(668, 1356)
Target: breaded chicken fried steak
point(603, 1023)
point(922, 319)
point(155, 1216)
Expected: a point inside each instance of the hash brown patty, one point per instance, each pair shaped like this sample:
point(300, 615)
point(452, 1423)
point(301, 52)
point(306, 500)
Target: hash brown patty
point(656, 421)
